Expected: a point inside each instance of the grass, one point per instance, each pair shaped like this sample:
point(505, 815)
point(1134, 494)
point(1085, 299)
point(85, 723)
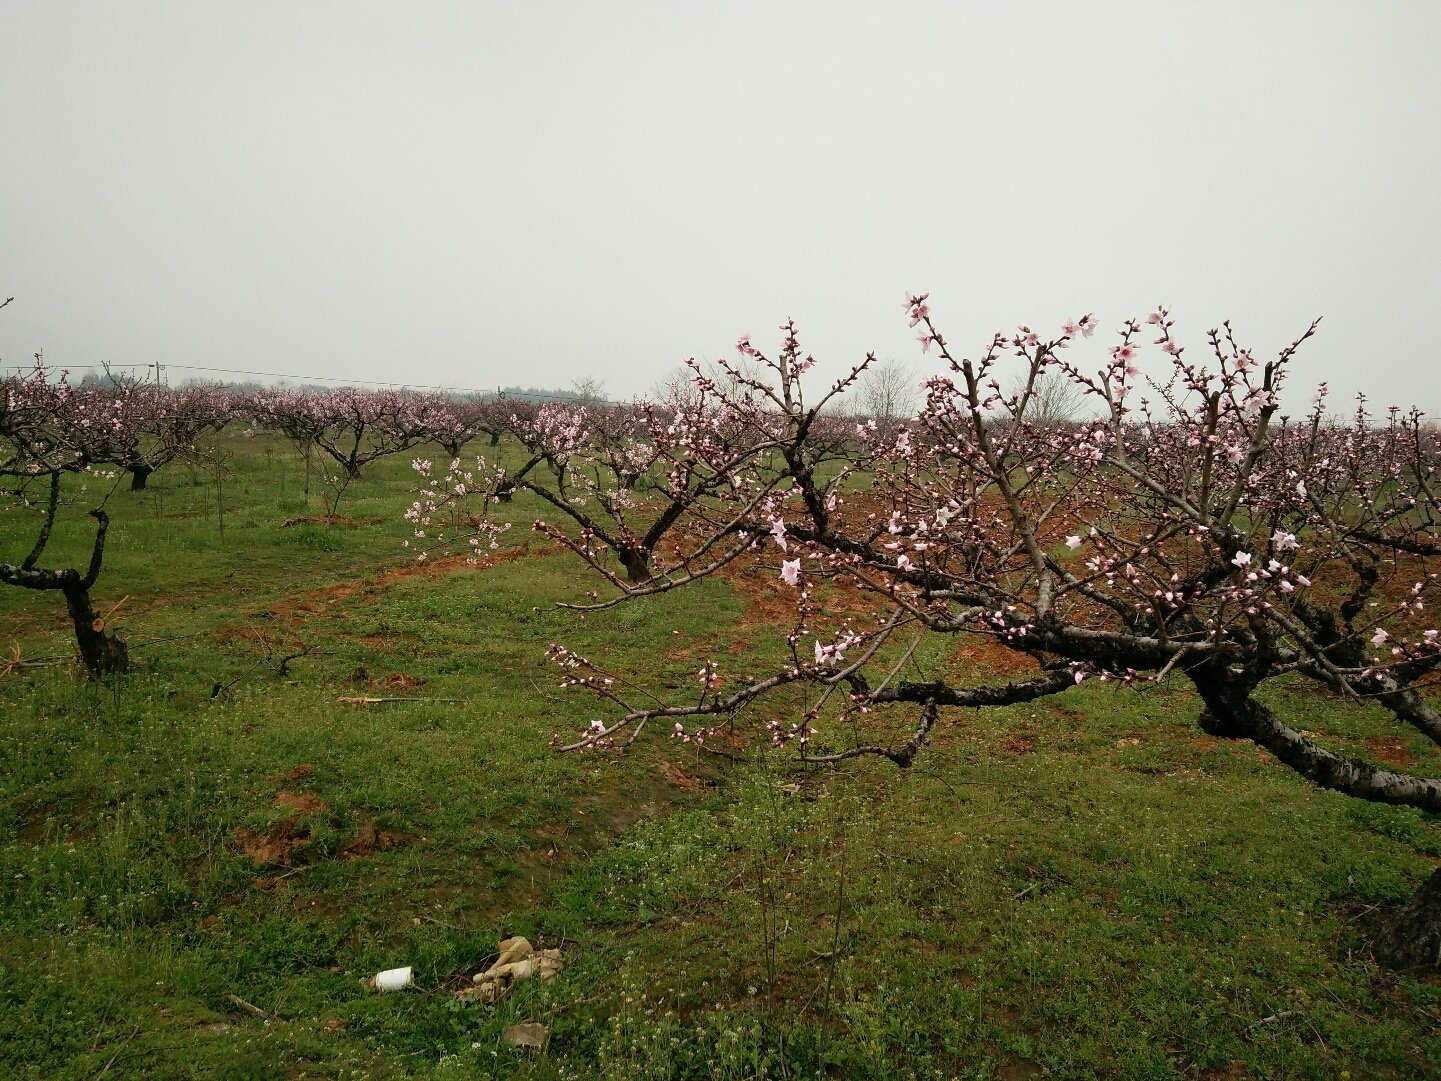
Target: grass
point(1086, 887)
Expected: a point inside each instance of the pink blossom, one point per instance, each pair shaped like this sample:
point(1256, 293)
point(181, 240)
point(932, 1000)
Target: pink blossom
point(1241, 559)
point(778, 531)
point(791, 571)
point(1379, 637)
point(1073, 542)
point(1283, 541)
point(916, 308)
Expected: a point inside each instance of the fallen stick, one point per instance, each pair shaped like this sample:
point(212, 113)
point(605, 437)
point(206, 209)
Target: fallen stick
point(236, 1000)
point(373, 701)
point(1271, 1020)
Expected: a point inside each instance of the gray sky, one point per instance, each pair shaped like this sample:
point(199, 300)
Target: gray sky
point(472, 194)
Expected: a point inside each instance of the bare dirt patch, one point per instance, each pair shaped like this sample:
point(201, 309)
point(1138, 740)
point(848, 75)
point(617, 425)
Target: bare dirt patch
point(703, 646)
point(368, 839)
point(282, 844)
point(988, 657)
point(686, 782)
point(304, 803)
point(274, 847)
point(771, 605)
point(299, 773)
point(1390, 750)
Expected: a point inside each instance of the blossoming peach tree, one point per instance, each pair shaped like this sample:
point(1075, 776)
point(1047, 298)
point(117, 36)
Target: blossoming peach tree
point(48, 429)
point(1186, 529)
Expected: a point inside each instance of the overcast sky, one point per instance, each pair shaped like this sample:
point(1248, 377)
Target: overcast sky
point(473, 194)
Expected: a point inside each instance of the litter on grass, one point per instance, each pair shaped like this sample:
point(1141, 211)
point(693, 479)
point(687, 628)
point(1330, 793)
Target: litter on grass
point(518, 961)
point(392, 979)
point(527, 1036)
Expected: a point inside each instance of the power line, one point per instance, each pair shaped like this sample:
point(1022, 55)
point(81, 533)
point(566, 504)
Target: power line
point(67, 367)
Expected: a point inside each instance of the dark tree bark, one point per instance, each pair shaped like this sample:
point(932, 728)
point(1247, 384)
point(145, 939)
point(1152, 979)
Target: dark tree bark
point(636, 562)
point(1412, 939)
point(139, 475)
point(102, 651)
point(1232, 714)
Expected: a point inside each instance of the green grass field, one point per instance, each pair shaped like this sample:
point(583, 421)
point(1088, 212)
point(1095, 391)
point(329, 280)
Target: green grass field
point(1083, 887)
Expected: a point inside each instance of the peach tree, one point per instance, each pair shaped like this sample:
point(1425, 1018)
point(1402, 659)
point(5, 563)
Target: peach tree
point(1175, 526)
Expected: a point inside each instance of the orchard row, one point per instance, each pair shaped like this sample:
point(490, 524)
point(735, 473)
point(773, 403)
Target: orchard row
point(1176, 524)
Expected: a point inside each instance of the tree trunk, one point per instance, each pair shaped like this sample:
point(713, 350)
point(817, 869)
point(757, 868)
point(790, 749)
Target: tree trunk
point(102, 652)
point(1412, 938)
point(139, 474)
point(636, 562)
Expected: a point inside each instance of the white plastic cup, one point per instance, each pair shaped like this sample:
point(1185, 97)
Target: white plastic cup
point(393, 979)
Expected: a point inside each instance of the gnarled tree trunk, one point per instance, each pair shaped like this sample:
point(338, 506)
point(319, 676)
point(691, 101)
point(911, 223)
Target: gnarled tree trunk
point(636, 562)
point(1412, 938)
point(139, 474)
point(101, 651)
